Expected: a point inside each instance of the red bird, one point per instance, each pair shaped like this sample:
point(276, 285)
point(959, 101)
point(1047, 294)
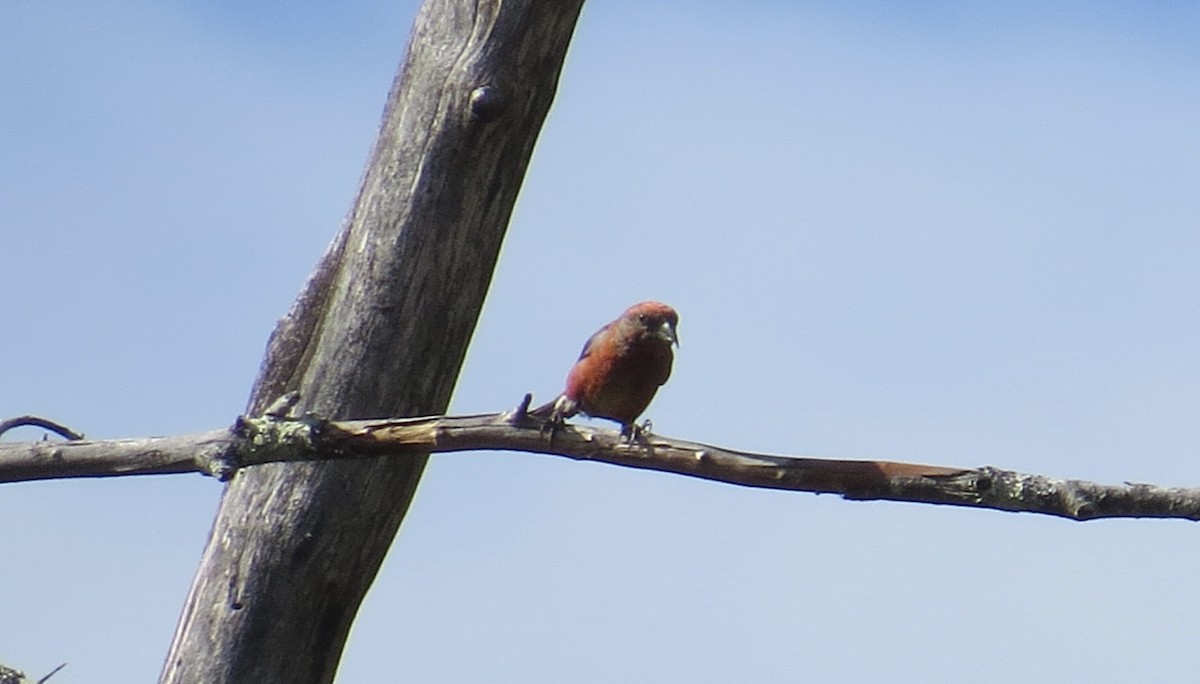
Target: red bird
point(620, 368)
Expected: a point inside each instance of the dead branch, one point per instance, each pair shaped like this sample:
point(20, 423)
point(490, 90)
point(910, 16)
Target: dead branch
point(381, 328)
point(37, 421)
point(273, 439)
point(50, 674)
point(10, 676)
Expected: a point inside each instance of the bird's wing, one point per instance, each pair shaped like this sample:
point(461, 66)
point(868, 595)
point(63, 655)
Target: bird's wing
point(587, 346)
point(664, 369)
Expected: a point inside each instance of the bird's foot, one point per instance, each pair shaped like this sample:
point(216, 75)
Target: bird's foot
point(551, 425)
point(632, 432)
point(557, 419)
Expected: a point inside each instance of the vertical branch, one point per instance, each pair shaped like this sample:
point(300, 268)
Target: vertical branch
point(380, 329)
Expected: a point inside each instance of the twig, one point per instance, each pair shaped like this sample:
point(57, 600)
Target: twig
point(51, 674)
point(35, 421)
point(254, 441)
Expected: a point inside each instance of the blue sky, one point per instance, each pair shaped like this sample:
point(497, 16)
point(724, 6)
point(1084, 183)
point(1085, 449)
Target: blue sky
point(952, 233)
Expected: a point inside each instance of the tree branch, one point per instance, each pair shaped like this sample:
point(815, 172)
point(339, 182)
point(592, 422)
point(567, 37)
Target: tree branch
point(255, 441)
point(36, 421)
point(10, 676)
point(380, 329)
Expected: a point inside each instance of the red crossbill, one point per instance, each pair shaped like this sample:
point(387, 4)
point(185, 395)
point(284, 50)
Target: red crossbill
point(620, 368)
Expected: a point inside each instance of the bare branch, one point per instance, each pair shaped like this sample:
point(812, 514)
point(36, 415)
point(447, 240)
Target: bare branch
point(254, 441)
point(51, 673)
point(210, 453)
point(380, 329)
point(35, 421)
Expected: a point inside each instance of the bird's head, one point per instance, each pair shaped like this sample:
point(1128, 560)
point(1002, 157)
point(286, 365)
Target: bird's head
point(655, 319)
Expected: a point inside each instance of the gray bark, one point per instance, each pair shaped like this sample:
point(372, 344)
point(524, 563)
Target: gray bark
point(380, 329)
point(255, 441)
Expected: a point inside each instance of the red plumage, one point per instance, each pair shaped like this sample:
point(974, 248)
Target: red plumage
point(621, 367)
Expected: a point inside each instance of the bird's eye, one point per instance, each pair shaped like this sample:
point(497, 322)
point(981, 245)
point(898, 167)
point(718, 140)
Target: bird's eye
point(642, 318)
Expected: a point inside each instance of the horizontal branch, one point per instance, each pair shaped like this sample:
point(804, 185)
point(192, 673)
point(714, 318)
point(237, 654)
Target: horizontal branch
point(253, 441)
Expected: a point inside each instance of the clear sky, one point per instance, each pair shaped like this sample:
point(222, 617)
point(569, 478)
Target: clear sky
point(946, 232)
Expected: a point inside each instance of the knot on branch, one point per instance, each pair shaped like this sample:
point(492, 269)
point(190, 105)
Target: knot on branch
point(272, 438)
point(487, 103)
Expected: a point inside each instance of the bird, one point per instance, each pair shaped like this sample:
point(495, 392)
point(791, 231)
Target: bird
point(620, 368)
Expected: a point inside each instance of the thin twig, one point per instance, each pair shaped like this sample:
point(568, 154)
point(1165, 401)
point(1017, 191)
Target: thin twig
point(51, 674)
point(35, 421)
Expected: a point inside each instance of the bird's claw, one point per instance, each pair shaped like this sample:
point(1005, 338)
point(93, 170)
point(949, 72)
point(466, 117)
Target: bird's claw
point(632, 432)
point(553, 423)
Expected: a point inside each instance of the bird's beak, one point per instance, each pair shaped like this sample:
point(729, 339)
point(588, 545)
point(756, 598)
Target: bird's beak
point(668, 331)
